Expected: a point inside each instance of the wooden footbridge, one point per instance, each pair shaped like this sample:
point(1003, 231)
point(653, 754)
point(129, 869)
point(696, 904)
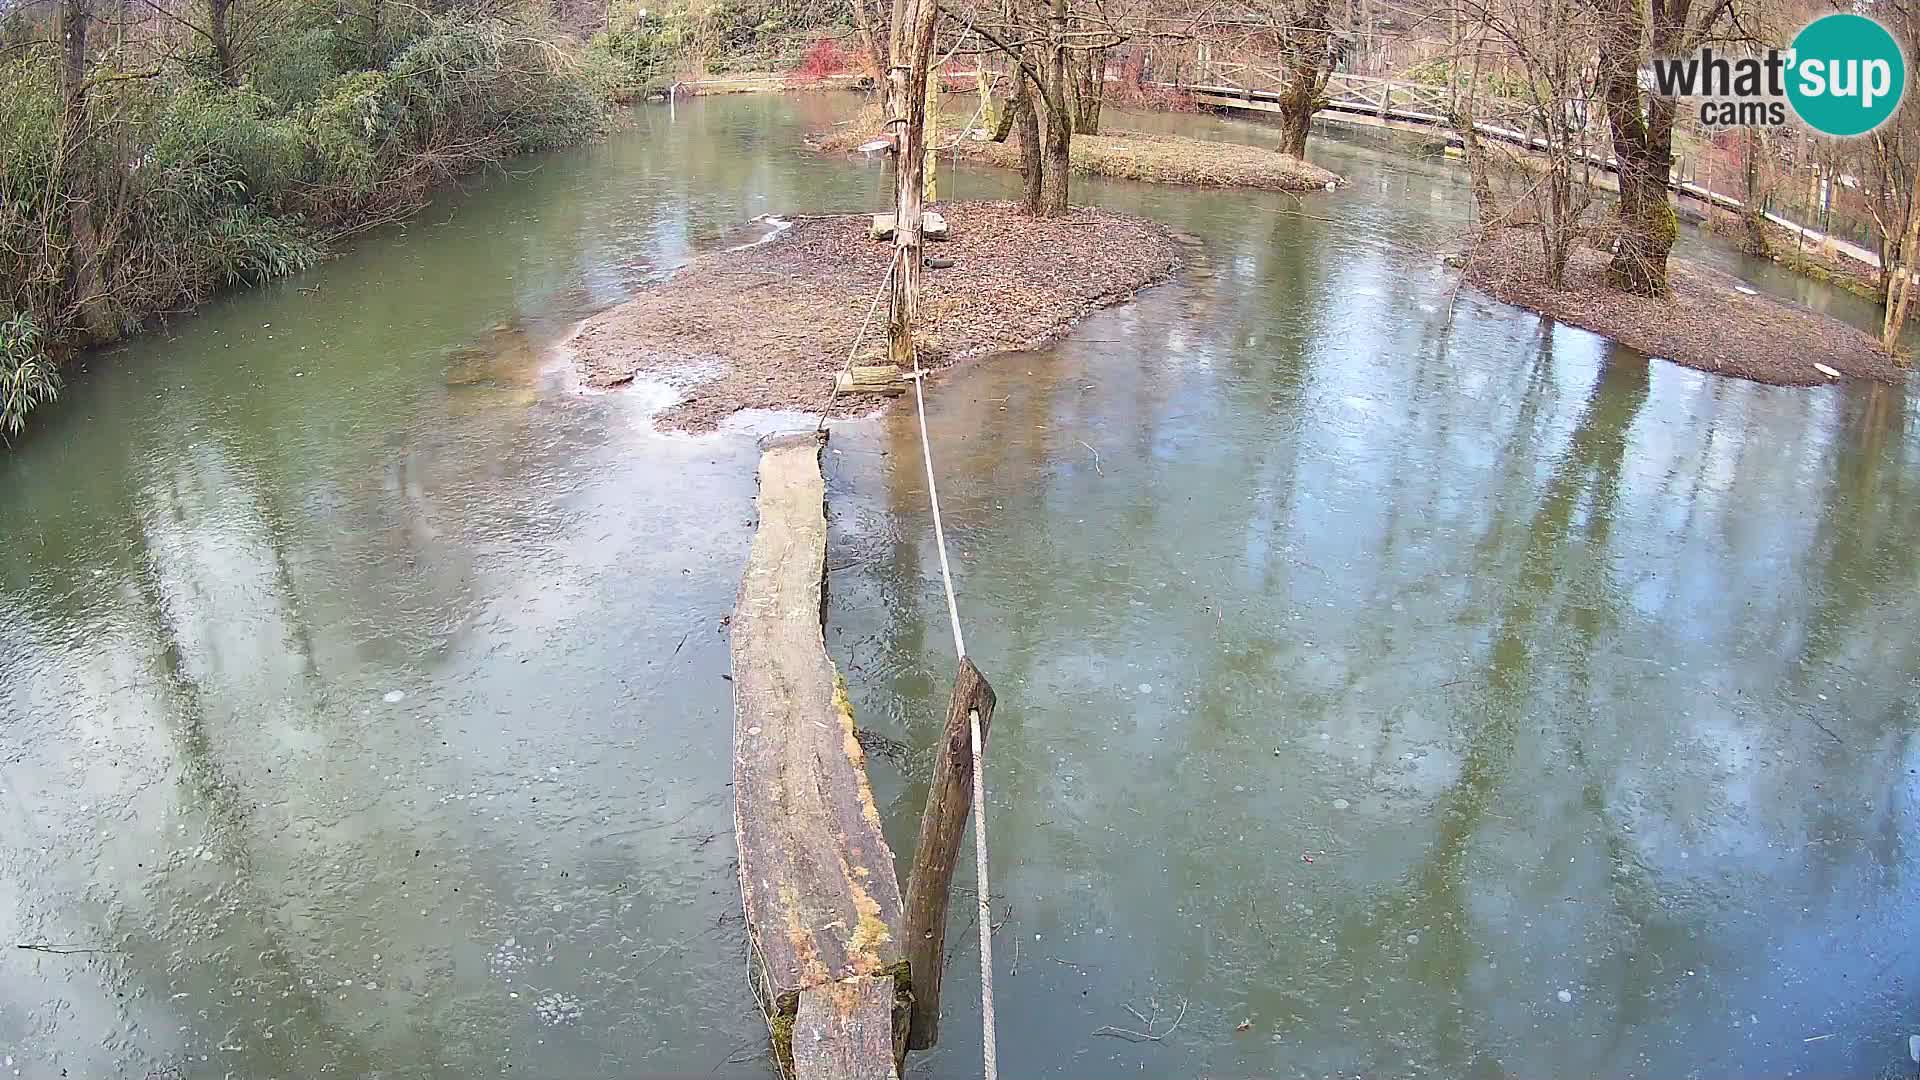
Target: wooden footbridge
point(1426, 108)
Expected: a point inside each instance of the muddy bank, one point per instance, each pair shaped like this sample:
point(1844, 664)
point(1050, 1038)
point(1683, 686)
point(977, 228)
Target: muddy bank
point(1123, 155)
point(767, 327)
point(1707, 323)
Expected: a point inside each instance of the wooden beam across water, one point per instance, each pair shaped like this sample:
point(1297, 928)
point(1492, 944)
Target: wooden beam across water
point(816, 875)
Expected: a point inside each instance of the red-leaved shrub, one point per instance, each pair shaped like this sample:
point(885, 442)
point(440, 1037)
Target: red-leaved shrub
point(825, 58)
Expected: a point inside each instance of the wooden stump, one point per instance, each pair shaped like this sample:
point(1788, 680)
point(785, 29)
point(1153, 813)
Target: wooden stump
point(942, 825)
point(816, 875)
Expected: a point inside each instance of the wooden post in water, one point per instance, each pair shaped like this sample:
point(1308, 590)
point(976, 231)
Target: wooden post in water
point(942, 825)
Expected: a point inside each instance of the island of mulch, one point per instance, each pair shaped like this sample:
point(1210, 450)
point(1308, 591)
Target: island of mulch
point(768, 326)
point(1124, 155)
point(1706, 323)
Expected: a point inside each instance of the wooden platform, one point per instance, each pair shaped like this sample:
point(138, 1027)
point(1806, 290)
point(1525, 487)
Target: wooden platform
point(816, 874)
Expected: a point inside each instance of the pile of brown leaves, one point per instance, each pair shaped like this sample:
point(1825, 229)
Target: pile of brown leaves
point(1707, 322)
point(1125, 155)
point(769, 326)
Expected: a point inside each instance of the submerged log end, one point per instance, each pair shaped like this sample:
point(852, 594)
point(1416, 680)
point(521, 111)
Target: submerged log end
point(846, 1030)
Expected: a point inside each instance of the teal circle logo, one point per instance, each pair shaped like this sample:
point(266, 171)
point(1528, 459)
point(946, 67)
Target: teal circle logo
point(1848, 75)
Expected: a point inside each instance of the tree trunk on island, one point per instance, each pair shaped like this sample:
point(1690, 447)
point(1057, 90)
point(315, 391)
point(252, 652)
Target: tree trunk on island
point(1032, 163)
point(1753, 204)
point(1643, 148)
point(1309, 52)
point(1087, 86)
point(907, 81)
point(1900, 275)
point(1296, 113)
point(1056, 119)
point(1641, 127)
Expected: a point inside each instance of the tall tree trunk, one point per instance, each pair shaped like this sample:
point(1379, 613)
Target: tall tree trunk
point(1032, 165)
point(870, 51)
point(1643, 147)
point(1296, 112)
point(907, 82)
point(1087, 83)
point(1753, 203)
point(217, 29)
point(1641, 130)
point(1308, 53)
point(1057, 121)
point(85, 287)
point(1900, 283)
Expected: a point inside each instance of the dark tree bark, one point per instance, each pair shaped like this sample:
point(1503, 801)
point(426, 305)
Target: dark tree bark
point(1087, 86)
point(218, 21)
point(1309, 51)
point(1018, 115)
point(1032, 167)
point(870, 51)
point(1641, 127)
point(84, 283)
point(1056, 119)
point(1754, 201)
point(1643, 147)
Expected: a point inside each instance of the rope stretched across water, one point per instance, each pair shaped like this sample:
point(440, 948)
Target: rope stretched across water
point(985, 893)
point(984, 888)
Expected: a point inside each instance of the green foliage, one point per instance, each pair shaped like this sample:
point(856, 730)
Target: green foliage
point(27, 378)
point(193, 185)
point(300, 68)
point(638, 49)
point(248, 247)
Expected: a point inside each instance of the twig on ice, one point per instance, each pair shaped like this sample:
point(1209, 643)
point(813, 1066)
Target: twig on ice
point(1147, 1035)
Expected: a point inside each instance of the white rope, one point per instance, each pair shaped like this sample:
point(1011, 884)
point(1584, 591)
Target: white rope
point(933, 497)
point(833, 394)
point(992, 1064)
point(989, 1054)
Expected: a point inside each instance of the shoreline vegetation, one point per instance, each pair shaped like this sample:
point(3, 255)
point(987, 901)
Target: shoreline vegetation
point(1708, 321)
point(1118, 154)
point(145, 167)
point(768, 326)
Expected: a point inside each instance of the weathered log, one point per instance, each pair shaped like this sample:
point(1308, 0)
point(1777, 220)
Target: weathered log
point(816, 875)
point(942, 825)
point(870, 379)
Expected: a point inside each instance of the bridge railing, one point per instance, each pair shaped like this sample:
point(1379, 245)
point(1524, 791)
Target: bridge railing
point(1387, 98)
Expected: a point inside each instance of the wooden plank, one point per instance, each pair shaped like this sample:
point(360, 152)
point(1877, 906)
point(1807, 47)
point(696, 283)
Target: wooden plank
point(870, 379)
point(816, 875)
point(942, 825)
point(845, 1031)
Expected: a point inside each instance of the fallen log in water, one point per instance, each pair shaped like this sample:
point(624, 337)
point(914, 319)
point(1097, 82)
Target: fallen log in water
point(816, 875)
